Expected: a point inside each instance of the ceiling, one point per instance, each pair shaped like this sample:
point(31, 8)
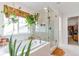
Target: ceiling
point(64, 8)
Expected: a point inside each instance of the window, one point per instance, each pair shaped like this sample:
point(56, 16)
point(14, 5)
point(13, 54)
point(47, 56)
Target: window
point(19, 27)
point(22, 26)
point(16, 28)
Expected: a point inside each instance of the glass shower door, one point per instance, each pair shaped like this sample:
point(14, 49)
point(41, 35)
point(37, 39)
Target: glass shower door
point(48, 26)
point(51, 27)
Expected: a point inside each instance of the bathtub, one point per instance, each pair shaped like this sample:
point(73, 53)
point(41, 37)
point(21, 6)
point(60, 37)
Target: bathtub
point(38, 48)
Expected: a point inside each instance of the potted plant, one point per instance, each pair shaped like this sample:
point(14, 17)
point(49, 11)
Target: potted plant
point(31, 21)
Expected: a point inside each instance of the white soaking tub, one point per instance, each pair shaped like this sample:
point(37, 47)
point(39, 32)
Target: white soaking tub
point(38, 48)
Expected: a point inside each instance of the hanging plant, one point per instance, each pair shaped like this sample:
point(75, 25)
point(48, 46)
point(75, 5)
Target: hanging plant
point(31, 19)
point(13, 18)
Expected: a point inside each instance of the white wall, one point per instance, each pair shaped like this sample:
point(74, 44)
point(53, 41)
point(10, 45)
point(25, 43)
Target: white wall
point(65, 28)
point(60, 31)
point(64, 36)
point(1, 19)
point(73, 21)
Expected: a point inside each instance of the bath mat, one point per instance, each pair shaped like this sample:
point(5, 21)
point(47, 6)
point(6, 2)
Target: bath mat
point(58, 52)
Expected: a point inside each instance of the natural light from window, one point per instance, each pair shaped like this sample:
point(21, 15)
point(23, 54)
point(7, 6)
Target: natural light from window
point(19, 27)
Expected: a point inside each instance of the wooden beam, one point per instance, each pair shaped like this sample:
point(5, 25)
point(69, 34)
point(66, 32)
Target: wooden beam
point(10, 10)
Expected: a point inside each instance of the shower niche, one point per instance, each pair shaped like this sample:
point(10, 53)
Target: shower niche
point(73, 30)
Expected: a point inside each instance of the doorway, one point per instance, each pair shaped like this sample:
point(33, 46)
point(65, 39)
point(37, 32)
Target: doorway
point(73, 30)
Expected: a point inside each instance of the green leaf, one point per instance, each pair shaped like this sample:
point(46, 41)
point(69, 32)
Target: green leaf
point(10, 49)
point(14, 18)
point(13, 52)
point(22, 52)
point(18, 47)
point(12, 46)
point(30, 20)
point(28, 49)
point(15, 47)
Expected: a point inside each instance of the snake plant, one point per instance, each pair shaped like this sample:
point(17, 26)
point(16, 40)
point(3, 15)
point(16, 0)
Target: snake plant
point(13, 49)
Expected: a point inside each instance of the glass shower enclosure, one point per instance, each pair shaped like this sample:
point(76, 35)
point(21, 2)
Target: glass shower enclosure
point(48, 26)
